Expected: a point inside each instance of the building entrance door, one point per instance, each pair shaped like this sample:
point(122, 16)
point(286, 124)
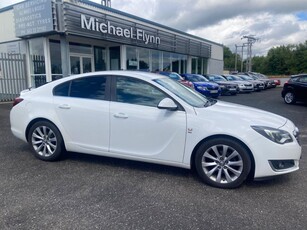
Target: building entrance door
point(81, 64)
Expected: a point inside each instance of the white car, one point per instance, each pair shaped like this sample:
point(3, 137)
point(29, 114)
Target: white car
point(149, 117)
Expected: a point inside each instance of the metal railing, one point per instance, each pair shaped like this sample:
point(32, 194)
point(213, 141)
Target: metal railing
point(12, 75)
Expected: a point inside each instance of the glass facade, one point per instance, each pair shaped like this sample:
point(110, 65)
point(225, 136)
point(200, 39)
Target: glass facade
point(144, 56)
point(85, 58)
point(199, 65)
point(115, 58)
point(56, 59)
point(132, 60)
point(100, 57)
point(37, 62)
point(154, 60)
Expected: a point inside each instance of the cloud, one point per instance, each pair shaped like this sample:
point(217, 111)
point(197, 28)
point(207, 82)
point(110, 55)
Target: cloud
point(274, 22)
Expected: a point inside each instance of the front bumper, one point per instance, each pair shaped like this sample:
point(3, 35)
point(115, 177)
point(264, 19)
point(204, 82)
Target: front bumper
point(272, 159)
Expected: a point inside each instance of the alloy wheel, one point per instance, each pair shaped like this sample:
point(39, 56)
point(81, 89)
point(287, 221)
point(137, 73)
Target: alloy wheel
point(222, 164)
point(44, 141)
point(289, 98)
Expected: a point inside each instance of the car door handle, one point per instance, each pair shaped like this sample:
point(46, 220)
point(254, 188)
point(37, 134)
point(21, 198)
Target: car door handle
point(120, 115)
point(64, 106)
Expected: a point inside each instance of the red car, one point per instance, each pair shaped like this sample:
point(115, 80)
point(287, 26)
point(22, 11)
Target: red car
point(177, 77)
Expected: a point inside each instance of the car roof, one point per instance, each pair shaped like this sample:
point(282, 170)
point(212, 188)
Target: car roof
point(299, 75)
point(138, 74)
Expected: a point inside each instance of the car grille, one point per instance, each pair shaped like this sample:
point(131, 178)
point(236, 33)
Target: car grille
point(248, 85)
point(212, 87)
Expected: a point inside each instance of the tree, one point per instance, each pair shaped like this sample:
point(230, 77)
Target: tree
point(229, 59)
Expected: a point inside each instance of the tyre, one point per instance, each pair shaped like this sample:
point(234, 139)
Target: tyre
point(46, 141)
point(289, 98)
point(222, 163)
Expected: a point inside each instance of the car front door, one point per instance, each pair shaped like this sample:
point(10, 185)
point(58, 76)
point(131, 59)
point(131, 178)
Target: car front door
point(301, 88)
point(138, 128)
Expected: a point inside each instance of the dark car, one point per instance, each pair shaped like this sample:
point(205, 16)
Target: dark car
point(203, 85)
point(295, 89)
point(227, 88)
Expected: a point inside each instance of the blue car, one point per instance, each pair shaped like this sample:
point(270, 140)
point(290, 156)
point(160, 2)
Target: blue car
point(203, 85)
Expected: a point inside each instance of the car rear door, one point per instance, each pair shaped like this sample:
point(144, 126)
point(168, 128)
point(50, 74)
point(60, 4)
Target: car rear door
point(82, 106)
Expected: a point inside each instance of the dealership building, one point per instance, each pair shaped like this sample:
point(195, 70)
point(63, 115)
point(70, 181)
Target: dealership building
point(63, 37)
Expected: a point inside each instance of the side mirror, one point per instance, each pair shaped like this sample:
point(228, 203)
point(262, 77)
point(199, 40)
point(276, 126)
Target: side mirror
point(168, 104)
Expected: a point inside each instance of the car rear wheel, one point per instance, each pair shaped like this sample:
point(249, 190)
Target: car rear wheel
point(46, 141)
point(289, 98)
point(222, 163)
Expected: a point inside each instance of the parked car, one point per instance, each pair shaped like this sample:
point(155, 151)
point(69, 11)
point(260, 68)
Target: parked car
point(258, 85)
point(244, 87)
point(269, 83)
point(175, 76)
point(227, 87)
point(295, 89)
point(149, 117)
point(277, 82)
point(203, 85)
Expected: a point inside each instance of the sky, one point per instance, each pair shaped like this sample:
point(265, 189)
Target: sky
point(272, 22)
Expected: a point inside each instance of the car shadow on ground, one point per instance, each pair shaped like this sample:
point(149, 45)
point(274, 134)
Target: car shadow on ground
point(165, 170)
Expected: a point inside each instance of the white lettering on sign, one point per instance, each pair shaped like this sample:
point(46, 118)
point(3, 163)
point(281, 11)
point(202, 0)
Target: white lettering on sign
point(91, 23)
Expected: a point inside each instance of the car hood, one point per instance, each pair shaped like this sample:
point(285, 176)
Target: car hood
point(240, 82)
point(239, 115)
point(226, 83)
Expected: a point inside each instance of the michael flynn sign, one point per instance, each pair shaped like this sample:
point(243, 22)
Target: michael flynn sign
point(91, 23)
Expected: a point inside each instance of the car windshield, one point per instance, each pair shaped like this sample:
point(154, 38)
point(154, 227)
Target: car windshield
point(216, 78)
point(189, 96)
point(246, 77)
point(196, 78)
point(233, 78)
point(175, 76)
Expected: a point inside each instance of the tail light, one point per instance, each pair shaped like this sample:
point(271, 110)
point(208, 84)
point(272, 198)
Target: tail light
point(17, 100)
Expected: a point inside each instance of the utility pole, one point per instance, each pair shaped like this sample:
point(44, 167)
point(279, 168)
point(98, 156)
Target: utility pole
point(251, 39)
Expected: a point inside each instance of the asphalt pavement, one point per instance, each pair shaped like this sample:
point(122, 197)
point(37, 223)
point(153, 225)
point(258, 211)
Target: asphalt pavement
point(91, 192)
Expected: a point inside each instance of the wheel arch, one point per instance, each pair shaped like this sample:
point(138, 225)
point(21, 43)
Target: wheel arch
point(37, 120)
point(252, 170)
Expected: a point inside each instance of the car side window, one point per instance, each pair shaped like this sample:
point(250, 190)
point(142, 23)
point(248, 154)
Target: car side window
point(89, 87)
point(303, 79)
point(135, 91)
point(62, 89)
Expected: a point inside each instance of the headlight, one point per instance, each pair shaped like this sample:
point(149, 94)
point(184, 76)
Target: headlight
point(242, 85)
point(276, 135)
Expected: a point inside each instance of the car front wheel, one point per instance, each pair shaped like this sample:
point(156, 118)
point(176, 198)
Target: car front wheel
point(46, 141)
point(289, 98)
point(222, 163)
